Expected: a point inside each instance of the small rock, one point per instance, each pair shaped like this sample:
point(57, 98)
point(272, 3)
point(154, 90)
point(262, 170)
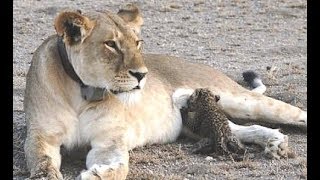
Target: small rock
point(26, 19)
point(197, 3)
point(165, 9)
point(150, 171)
point(175, 6)
point(268, 68)
point(209, 158)
point(303, 176)
point(186, 18)
point(197, 9)
point(291, 155)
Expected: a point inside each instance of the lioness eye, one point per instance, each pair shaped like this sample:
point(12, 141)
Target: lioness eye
point(110, 43)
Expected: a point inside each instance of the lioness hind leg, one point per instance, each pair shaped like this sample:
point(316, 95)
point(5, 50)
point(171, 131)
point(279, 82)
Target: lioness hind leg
point(106, 163)
point(43, 159)
point(253, 106)
point(275, 143)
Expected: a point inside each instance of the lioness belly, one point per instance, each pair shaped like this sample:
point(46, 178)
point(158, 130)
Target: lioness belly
point(151, 119)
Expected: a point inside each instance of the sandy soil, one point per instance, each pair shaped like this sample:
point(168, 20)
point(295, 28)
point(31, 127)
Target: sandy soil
point(232, 35)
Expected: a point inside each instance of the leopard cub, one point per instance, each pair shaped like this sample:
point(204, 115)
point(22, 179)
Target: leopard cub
point(205, 122)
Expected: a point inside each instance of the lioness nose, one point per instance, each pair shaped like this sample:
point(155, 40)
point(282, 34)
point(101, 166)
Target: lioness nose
point(138, 75)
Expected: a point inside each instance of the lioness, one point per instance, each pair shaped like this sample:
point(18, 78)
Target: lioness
point(91, 84)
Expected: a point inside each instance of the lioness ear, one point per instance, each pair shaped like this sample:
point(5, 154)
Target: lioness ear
point(73, 26)
point(132, 16)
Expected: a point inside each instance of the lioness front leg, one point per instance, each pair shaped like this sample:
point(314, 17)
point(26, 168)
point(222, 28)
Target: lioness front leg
point(43, 158)
point(109, 161)
point(275, 143)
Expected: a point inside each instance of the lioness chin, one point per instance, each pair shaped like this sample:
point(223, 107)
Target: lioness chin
point(91, 84)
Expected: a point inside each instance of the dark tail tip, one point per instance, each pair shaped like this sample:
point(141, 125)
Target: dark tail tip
point(250, 77)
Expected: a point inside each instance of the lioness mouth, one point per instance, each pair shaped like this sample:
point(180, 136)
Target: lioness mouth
point(121, 91)
point(137, 87)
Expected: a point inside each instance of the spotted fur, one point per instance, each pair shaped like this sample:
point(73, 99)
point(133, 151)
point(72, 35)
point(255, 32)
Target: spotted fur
point(204, 118)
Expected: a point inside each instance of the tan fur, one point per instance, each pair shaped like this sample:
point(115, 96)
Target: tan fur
point(131, 14)
point(56, 114)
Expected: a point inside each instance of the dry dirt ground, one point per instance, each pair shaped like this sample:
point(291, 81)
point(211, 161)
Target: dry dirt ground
point(268, 36)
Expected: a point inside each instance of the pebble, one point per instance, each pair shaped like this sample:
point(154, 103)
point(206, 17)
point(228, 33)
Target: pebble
point(209, 158)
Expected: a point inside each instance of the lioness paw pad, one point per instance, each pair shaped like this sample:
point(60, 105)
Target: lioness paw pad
point(277, 147)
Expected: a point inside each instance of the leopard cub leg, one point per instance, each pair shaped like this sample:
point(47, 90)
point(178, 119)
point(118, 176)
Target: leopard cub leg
point(204, 146)
point(221, 146)
point(234, 145)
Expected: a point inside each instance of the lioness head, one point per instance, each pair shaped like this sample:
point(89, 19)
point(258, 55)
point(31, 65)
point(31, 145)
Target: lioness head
point(104, 48)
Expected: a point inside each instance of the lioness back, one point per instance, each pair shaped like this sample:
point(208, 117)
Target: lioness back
point(180, 73)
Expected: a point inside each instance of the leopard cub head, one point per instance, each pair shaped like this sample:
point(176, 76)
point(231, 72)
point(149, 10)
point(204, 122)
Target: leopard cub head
point(201, 97)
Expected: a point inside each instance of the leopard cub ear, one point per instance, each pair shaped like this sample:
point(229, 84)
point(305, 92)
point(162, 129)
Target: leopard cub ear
point(217, 98)
point(73, 26)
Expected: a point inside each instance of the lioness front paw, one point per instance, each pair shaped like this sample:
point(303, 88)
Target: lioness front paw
point(45, 170)
point(101, 172)
point(277, 147)
point(303, 118)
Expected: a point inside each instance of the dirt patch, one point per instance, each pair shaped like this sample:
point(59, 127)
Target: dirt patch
point(269, 37)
